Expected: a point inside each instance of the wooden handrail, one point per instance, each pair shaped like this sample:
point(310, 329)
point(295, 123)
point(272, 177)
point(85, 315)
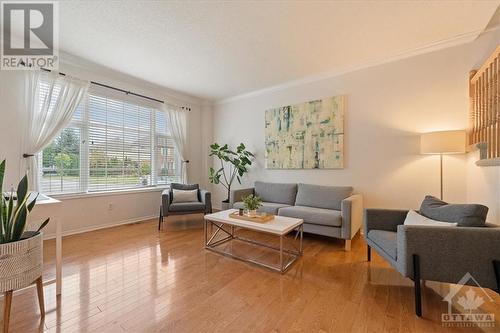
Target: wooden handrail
point(484, 115)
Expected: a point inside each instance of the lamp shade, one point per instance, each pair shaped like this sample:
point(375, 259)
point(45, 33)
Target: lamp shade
point(445, 142)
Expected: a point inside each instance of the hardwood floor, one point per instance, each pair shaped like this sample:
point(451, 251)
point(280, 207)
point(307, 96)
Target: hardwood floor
point(132, 278)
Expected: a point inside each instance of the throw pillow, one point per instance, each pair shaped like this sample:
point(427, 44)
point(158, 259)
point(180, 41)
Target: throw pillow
point(465, 215)
point(179, 196)
point(414, 218)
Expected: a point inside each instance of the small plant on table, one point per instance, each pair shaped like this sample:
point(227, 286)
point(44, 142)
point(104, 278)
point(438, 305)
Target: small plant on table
point(252, 203)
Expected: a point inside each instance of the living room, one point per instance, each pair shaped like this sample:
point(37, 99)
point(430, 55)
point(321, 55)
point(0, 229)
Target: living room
point(341, 119)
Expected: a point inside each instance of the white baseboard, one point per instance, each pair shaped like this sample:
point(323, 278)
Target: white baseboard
point(98, 227)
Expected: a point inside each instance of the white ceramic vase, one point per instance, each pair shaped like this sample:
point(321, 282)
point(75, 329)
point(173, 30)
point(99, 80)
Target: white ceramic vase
point(225, 205)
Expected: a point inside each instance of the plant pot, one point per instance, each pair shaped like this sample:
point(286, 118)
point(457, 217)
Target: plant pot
point(225, 205)
point(21, 262)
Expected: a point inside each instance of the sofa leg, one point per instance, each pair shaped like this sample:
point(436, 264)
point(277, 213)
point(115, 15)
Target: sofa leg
point(496, 267)
point(347, 246)
point(160, 219)
point(368, 252)
point(416, 281)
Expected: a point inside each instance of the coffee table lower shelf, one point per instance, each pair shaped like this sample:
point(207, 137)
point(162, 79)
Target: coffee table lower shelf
point(211, 244)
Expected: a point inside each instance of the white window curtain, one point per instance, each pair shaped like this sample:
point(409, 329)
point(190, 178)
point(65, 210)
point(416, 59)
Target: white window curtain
point(51, 100)
point(177, 122)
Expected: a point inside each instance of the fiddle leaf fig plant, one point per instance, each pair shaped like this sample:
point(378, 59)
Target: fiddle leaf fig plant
point(14, 210)
point(233, 165)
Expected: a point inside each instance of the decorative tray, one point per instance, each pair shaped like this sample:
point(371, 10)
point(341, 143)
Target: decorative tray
point(261, 218)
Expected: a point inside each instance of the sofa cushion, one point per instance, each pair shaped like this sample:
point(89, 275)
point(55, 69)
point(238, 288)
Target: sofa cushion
point(186, 207)
point(386, 240)
point(320, 216)
point(328, 197)
point(465, 215)
point(282, 193)
point(267, 207)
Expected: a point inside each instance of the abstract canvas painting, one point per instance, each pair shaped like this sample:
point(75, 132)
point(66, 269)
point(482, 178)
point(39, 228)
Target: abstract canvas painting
point(306, 136)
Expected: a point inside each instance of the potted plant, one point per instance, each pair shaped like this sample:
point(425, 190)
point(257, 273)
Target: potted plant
point(252, 203)
point(233, 165)
point(20, 251)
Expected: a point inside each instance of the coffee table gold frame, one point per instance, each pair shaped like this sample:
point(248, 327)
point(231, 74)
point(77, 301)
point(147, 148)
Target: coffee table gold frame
point(211, 244)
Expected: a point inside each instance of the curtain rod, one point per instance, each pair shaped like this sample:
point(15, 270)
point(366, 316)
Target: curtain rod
point(126, 92)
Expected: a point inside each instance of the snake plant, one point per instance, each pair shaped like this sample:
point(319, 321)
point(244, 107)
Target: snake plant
point(14, 210)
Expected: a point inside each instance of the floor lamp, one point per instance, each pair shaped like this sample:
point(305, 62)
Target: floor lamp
point(441, 143)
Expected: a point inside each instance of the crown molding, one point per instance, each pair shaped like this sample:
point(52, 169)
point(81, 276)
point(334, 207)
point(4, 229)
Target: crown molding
point(428, 48)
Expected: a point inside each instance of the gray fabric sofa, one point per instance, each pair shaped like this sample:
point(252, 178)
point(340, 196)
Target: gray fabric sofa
point(326, 210)
point(443, 254)
point(204, 204)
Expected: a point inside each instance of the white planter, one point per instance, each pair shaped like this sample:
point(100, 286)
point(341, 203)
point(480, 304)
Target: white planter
point(225, 205)
point(21, 263)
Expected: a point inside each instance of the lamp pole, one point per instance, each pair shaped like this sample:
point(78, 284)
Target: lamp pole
point(441, 174)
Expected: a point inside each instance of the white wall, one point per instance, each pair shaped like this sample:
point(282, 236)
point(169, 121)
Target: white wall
point(388, 106)
point(483, 186)
point(79, 214)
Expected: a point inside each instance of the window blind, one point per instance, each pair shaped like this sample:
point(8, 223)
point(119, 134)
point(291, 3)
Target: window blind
point(120, 145)
point(115, 144)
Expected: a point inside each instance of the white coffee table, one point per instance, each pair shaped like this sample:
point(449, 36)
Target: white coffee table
point(280, 226)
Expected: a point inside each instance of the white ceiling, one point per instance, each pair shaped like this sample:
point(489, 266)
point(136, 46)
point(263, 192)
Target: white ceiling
point(215, 50)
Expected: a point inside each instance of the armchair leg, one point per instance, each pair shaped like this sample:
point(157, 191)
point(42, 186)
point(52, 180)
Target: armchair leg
point(368, 252)
point(496, 267)
point(416, 281)
point(347, 246)
point(160, 219)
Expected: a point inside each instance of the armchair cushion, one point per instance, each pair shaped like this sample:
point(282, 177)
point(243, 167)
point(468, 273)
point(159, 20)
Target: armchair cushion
point(466, 215)
point(179, 186)
point(187, 207)
point(414, 218)
point(320, 216)
point(386, 240)
point(184, 196)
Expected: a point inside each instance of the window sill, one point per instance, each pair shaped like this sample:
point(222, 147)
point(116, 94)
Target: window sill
point(82, 195)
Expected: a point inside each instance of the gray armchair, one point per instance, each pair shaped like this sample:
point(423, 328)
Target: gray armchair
point(434, 253)
point(204, 204)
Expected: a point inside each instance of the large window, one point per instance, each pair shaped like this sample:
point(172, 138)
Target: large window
point(111, 143)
